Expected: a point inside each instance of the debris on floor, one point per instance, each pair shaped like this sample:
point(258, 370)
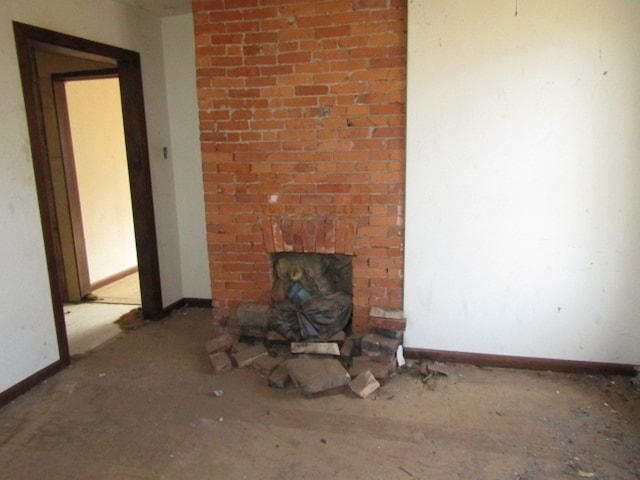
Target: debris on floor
point(364, 384)
point(320, 348)
point(157, 385)
point(635, 381)
point(279, 377)
point(221, 343)
point(245, 355)
point(131, 320)
point(426, 370)
point(575, 469)
point(361, 361)
point(315, 376)
point(220, 362)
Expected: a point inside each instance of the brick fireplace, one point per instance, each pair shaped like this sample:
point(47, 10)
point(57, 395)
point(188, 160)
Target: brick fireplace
point(302, 124)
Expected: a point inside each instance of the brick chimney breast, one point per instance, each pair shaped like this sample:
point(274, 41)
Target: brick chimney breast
point(302, 108)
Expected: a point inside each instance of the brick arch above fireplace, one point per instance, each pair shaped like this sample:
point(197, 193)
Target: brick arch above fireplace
point(310, 234)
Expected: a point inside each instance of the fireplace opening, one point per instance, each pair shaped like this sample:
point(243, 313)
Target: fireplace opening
point(311, 295)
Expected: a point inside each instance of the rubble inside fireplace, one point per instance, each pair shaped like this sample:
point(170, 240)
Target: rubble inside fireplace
point(356, 362)
point(303, 337)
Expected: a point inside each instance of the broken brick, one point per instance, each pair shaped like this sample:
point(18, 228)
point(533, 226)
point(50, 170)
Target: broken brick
point(364, 384)
point(346, 351)
point(388, 313)
point(247, 354)
point(388, 323)
point(273, 336)
point(380, 369)
point(317, 375)
point(389, 333)
point(279, 377)
point(220, 362)
point(221, 343)
point(338, 337)
point(376, 345)
point(253, 319)
point(266, 363)
point(317, 348)
point(352, 343)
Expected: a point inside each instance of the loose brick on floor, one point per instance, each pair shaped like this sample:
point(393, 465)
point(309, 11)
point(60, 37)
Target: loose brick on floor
point(388, 323)
point(380, 369)
point(364, 384)
point(267, 363)
point(279, 377)
point(247, 354)
point(221, 343)
point(253, 319)
point(319, 348)
point(389, 313)
point(316, 375)
point(389, 333)
point(221, 362)
point(376, 345)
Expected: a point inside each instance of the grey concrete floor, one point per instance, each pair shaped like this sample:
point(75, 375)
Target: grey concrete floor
point(144, 407)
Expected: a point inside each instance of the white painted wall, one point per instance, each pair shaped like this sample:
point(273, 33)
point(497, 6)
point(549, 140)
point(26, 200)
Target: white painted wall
point(100, 158)
point(179, 55)
point(523, 178)
point(28, 341)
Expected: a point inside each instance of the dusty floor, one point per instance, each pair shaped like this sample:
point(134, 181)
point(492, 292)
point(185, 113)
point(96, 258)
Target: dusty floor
point(144, 407)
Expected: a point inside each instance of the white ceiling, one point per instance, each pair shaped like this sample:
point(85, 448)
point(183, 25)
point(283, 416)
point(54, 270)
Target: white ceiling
point(165, 7)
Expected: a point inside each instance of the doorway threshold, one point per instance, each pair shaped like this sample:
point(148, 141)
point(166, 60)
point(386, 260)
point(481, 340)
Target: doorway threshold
point(90, 325)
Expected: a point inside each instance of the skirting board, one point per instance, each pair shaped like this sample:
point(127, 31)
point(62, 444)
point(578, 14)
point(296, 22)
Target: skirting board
point(114, 278)
point(188, 302)
point(28, 383)
point(523, 363)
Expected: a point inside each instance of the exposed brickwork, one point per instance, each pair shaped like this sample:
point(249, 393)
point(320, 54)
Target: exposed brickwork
point(320, 235)
point(302, 115)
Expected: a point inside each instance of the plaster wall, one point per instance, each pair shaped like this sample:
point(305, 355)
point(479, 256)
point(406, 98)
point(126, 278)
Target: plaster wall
point(523, 198)
point(182, 101)
point(28, 342)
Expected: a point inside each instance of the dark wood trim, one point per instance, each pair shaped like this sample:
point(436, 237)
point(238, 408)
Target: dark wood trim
point(135, 134)
point(46, 203)
point(86, 75)
point(188, 302)
point(71, 179)
point(30, 39)
point(114, 278)
point(28, 383)
point(524, 363)
point(198, 302)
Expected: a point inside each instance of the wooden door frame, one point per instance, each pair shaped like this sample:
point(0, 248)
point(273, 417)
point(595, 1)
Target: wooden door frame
point(72, 191)
point(29, 39)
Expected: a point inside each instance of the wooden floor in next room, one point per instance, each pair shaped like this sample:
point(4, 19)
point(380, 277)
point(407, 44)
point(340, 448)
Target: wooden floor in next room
point(91, 324)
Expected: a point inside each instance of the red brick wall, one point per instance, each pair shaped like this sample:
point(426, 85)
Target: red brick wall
point(302, 115)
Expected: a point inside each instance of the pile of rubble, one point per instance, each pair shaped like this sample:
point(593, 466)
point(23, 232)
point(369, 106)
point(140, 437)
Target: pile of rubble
point(362, 362)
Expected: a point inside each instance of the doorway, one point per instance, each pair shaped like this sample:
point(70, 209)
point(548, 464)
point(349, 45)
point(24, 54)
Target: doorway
point(102, 264)
point(102, 259)
point(125, 64)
